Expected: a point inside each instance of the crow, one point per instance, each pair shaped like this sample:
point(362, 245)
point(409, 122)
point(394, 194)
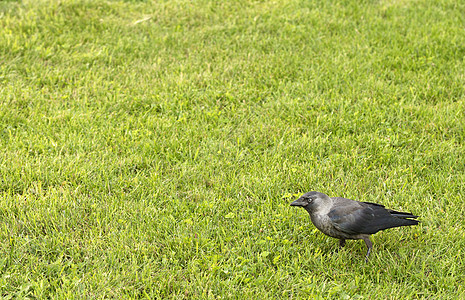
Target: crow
point(347, 219)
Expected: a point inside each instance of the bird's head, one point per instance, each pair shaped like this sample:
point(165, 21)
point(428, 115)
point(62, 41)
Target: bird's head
point(311, 200)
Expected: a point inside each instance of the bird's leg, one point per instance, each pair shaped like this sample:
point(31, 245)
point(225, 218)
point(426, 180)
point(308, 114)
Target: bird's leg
point(369, 246)
point(342, 242)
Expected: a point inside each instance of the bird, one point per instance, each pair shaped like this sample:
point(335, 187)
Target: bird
point(347, 219)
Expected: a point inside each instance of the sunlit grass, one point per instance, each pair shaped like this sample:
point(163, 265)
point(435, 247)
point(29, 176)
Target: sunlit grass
point(151, 149)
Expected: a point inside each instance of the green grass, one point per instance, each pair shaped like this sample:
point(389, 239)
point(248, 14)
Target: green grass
point(150, 149)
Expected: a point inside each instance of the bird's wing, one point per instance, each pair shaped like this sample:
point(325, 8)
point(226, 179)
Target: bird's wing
point(394, 213)
point(354, 217)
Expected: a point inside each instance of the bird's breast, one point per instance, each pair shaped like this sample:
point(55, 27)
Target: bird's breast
point(324, 224)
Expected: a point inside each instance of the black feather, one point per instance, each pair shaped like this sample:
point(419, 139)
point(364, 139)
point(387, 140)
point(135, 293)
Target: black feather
point(367, 218)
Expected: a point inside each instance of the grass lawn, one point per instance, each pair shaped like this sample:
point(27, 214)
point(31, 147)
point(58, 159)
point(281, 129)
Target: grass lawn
point(150, 149)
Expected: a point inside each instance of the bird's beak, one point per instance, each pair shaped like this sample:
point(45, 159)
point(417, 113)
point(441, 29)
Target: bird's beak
point(299, 202)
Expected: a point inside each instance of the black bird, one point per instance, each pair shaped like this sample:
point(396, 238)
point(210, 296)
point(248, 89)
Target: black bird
point(347, 219)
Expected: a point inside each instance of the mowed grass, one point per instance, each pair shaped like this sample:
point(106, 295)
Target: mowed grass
point(150, 149)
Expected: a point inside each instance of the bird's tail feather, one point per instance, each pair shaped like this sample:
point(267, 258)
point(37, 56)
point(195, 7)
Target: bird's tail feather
point(402, 215)
point(410, 222)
